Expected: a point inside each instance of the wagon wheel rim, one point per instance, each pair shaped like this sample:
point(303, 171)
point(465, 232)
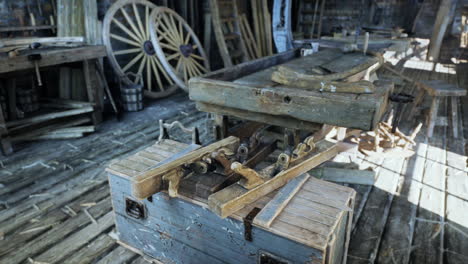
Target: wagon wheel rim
point(129, 47)
point(177, 46)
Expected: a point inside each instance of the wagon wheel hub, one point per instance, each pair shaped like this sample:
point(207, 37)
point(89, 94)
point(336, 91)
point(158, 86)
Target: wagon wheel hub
point(149, 48)
point(186, 50)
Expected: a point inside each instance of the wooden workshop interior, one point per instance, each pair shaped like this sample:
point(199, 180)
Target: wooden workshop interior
point(233, 131)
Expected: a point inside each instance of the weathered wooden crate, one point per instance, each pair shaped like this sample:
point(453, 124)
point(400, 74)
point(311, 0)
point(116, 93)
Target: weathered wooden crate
point(306, 221)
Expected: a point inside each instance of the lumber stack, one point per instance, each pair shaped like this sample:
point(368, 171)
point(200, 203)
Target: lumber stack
point(262, 27)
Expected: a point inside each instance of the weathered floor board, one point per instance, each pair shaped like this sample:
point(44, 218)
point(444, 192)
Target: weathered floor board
point(415, 212)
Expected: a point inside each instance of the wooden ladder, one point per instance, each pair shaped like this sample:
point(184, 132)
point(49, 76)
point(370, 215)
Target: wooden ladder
point(310, 18)
point(226, 24)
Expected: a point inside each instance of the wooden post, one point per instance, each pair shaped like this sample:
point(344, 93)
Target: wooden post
point(444, 16)
point(5, 143)
point(92, 88)
point(221, 126)
point(454, 101)
point(11, 90)
point(207, 35)
point(322, 9)
point(433, 116)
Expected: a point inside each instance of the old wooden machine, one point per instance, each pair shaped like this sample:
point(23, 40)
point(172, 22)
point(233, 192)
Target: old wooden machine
point(247, 197)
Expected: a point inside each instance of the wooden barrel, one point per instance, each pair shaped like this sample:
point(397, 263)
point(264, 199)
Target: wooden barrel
point(27, 100)
point(132, 94)
point(132, 97)
point(3, 105)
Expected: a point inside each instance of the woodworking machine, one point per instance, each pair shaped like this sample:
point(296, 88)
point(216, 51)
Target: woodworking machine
point(247, 197)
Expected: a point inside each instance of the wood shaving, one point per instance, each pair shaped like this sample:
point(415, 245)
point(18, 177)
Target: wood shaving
point(88, 204)
point(90, 216)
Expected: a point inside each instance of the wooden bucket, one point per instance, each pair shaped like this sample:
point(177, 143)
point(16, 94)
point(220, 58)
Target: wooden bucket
point(27, 100)
point(132, 94)
point(3, 105)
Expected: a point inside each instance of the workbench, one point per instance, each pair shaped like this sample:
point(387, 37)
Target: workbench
point(247, 91)
point(11, 67)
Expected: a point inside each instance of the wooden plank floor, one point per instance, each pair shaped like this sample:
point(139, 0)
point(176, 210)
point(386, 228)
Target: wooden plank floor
point(55, 205)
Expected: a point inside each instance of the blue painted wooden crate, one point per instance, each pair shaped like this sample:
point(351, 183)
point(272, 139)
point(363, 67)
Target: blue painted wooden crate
point(313, 227)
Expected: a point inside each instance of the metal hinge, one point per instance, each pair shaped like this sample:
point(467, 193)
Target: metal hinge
point(248, 223)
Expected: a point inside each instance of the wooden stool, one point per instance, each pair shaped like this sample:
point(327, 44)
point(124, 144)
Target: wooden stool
point(438, 89)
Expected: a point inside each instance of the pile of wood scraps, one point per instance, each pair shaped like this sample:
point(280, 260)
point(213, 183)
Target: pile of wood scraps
point(64, 119)
point(262, 27)
point(385, 143)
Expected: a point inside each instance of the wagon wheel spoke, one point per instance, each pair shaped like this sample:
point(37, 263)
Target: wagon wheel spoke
point(198, 68)
point(127, 31)
point(132, 62)
point(173, 56)
point(198, 65)
point(181, 30)
point(148, 74)
point(187, 39)
point(191, 69)
point(179, 63)
point(172, 25)
point(155, 71)
point(124, 40)
point(168, 47)
point(195, 56)
point(147, 15)
point(179, 24)
point(140, 24)
point(163, 71)
point(168, 30)
point(127, 51)
point(132, 25)
point(165, 36)
point(141, 68)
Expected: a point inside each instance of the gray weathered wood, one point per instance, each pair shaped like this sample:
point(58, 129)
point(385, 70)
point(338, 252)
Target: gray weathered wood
point(50, 116)
point(259, 117)
point(342, 110)
point(364, 177)
point(52, 57)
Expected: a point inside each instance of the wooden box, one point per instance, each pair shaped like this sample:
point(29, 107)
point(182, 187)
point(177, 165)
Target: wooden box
point(306, 221)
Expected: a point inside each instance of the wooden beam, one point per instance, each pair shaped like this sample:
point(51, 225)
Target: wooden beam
point(259, 117)
point(364, 177)
point(444, 16)
point(49, 116)
point(45, 40)
point(344, 110)
point(53, 57)
point(235, 197)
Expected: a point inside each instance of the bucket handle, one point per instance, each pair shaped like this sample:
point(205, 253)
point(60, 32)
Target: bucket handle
point(135, 76)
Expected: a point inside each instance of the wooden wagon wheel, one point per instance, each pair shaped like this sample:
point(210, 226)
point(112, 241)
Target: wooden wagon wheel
point(177, 46)
point(126, 35)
